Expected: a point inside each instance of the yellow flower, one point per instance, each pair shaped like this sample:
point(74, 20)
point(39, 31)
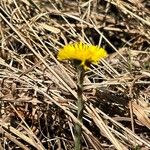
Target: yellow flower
point(85, 53)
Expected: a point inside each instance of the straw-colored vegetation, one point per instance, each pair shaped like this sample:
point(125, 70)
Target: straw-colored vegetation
point(38, 93)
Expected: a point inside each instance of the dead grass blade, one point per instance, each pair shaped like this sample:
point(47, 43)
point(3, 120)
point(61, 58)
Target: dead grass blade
point(141, 114)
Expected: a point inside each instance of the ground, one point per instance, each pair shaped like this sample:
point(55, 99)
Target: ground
point(38, 92)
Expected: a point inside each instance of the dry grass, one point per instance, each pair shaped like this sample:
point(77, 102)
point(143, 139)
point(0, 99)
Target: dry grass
point(38, 94)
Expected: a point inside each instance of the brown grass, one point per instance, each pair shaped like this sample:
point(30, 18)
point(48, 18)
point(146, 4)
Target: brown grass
point(38, 93)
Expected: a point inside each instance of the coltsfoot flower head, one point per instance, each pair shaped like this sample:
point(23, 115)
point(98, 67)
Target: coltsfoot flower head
point(85, 53)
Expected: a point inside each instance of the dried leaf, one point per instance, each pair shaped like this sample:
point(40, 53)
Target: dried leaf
point(140, 114)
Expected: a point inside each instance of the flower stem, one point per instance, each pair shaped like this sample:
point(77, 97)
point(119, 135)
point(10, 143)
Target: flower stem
point(80, 105)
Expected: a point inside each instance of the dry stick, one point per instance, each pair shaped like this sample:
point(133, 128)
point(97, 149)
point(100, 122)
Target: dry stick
point(8, 127)
point(102, 126)
point(128, 131)
point(39, 57)
point(80, 104)
point(13, 139)
point(118, 4)
point(24, 40)
point(131, 115)
point(36, 54)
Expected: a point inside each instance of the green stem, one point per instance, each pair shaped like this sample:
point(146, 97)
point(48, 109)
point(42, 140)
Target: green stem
point(80, 105)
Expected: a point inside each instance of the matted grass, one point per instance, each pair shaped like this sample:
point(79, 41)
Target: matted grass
point(38, 93)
